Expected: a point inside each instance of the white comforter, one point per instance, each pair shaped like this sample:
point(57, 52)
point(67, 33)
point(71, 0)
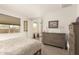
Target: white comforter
point(19, 47)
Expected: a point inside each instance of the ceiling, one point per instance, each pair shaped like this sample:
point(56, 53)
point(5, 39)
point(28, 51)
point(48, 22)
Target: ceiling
point(30, 10)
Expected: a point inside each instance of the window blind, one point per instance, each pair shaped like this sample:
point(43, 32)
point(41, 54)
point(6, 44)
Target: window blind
point(5, 19)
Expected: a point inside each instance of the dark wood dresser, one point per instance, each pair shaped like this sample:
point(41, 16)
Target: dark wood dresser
point(74, 39)
point(54, 39)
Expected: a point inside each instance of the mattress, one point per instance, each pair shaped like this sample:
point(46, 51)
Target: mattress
point(19, 46)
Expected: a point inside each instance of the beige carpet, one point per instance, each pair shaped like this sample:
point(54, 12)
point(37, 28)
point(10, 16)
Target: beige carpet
point(50, 50)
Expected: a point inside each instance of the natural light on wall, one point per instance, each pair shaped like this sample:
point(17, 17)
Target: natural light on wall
point(34, 25)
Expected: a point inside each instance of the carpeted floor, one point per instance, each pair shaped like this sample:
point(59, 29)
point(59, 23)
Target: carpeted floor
point(50, 50)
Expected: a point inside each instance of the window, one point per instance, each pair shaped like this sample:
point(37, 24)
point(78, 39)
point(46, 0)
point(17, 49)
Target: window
point(14, 28)
point(25, 26)
point(4, 28)
point(9, 24)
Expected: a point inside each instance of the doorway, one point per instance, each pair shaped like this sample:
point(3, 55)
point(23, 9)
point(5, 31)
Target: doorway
point(37, 29)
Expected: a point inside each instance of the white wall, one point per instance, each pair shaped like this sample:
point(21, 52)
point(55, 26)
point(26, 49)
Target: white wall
point(13, 35)
point(78, 10)
point(65, 16)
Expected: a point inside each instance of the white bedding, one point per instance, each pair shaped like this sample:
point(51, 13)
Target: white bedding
point(19, 47)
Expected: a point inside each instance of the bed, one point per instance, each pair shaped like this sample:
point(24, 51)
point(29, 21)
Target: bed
point(19, 46)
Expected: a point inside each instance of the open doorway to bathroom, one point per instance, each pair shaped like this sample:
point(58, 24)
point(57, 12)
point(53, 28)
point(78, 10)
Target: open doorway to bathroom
point(37, 29)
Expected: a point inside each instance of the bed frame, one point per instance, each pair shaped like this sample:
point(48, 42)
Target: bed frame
point(38, 52)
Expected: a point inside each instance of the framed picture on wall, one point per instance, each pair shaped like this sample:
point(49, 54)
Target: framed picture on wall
point(25, 26)
point(53, 24)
